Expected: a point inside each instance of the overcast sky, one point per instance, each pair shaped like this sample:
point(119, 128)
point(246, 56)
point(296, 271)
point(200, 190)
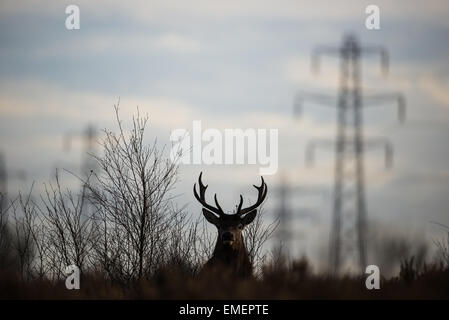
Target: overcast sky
point(232, 64)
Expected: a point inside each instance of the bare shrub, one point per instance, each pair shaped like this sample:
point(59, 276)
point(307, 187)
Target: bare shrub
point(442, 254)
point(137, 225)
point(24, 214)
point(6, 250)
point(256, 235)
point(409, 271)
point(67, 226)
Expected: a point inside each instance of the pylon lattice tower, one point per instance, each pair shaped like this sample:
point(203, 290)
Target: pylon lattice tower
point(3, 184)
point(287, 212)
point(283, 233)
point(6, 174)
point(349, 226)
point(88, 163)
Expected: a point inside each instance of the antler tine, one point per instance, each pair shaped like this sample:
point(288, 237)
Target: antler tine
point(202, 186)
point(261, 186)
point(202, 199)
point(262, 193)
point(240, 205)
point(216, 203)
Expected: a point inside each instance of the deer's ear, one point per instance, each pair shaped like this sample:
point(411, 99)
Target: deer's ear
point(248, 218)
point(212, 218)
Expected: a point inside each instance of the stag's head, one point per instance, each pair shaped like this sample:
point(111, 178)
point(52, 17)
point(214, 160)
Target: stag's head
point(230, 226)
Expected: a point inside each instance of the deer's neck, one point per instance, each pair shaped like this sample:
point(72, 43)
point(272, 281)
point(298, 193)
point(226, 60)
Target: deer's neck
point(237, 258)
point(231, 255)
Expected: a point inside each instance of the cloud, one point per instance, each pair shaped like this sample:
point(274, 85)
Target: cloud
point(166, 11)
point(178, 43)
point(123, 44)
point(48, 100)
point(436, 88)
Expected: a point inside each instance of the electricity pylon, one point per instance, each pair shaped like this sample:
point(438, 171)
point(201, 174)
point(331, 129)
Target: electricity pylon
point(89, 136)
point(349, 229)
point(283, 212)
point(287, 213)
point(88, 162)
point(3, 184)
point(6, 174)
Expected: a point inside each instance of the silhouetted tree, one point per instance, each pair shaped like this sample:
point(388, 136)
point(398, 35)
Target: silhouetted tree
point(136, 223)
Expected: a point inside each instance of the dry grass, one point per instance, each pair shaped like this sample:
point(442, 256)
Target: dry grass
point(295, 282)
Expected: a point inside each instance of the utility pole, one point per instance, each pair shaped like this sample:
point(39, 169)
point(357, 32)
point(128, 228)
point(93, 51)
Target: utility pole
point(349, 229)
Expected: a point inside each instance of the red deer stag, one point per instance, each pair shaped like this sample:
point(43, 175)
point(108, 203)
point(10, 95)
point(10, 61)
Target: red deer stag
point(230, 250)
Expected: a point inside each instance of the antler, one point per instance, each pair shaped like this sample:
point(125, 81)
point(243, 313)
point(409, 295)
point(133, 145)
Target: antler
point(262, 193)
point(201, 198)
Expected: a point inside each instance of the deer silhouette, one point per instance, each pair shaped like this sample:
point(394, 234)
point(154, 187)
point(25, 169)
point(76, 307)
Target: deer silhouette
point(230, 251)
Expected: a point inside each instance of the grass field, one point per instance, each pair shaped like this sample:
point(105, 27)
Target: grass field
point(291, 282)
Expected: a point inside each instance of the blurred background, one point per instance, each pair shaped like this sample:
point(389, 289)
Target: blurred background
point(234, 64)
